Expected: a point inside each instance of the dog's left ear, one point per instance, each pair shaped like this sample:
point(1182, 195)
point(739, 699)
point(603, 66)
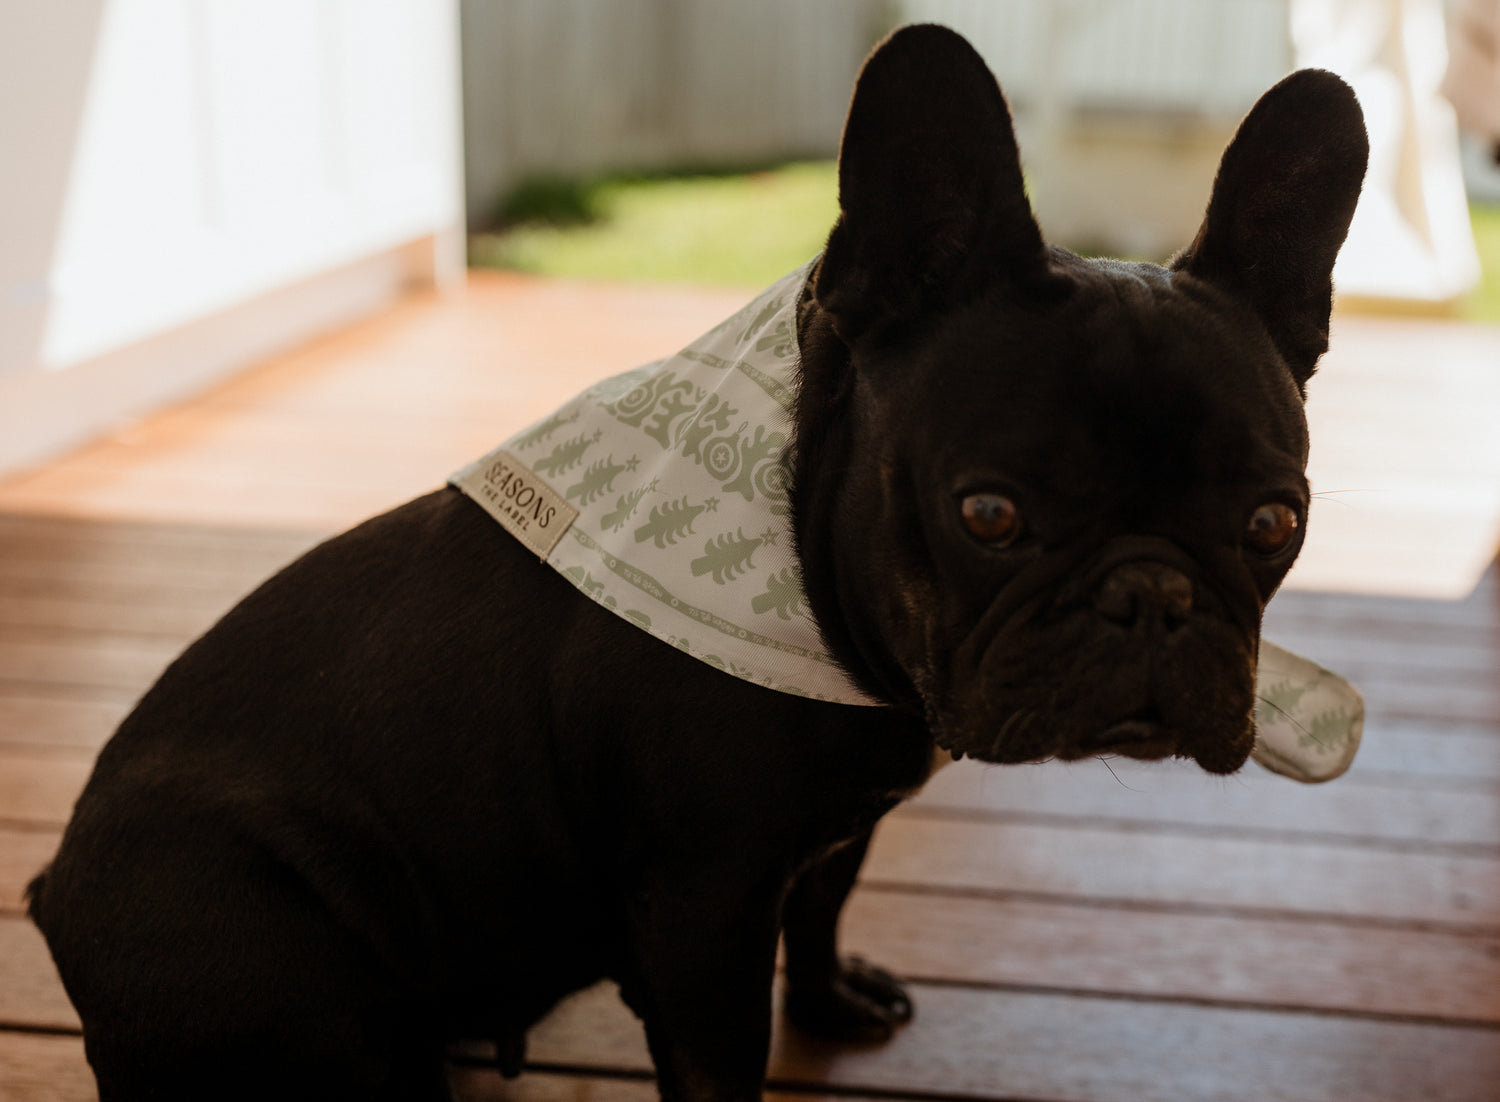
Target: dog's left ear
point(932, 205)
point(1281, 206)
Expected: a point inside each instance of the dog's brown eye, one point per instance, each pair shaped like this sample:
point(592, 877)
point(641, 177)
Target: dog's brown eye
point(1271, 528)
point(992, 518)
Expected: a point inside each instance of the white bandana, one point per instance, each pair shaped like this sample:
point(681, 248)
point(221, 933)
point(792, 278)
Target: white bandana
point(662, 495)
point(677, 473)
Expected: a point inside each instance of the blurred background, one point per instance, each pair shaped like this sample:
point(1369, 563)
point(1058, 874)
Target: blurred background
point(1123, 108)
point(172, 162)
point(268, 267)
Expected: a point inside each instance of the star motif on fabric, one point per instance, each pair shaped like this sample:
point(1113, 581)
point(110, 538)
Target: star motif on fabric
point(598, 435)
point(768, 537)
point(632, 463)
point(652, 487)
point(711, 505)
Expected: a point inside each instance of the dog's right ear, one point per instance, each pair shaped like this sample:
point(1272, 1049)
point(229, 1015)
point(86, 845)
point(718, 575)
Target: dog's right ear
point(932, 204)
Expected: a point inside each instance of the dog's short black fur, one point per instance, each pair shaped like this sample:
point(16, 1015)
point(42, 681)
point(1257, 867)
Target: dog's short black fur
point(417, 788)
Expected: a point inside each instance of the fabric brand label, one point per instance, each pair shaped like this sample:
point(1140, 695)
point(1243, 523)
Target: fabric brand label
point(525, 506)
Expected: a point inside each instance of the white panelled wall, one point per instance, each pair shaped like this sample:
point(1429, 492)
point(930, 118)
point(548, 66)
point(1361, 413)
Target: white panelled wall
point(189, 185)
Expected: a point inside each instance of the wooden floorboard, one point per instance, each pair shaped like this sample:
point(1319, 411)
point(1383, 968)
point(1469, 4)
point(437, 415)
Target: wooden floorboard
point(980, 1042)
point(1170, 953)
point(57, 721)
point(1072, 933)
point(32, 994)
point(1414, 752)
point(43, 1068)
point(24, 849)
point(1175, 868)
point(1253, 806)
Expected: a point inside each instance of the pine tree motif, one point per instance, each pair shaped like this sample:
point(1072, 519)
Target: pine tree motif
point(597, 479)
point(783, 593)
point(668, 523)
point(1278, 702)
point(1327, 730)
point(540, 432)
point(624, 508)
point(726, 556)
point(566, 455)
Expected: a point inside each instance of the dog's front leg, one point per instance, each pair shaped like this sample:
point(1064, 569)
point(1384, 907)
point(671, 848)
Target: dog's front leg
point(842, 998)
point(705, 962)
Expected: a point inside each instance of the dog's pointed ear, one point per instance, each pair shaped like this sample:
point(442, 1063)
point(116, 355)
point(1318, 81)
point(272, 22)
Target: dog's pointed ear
point(1281, 206)
point(932, 205)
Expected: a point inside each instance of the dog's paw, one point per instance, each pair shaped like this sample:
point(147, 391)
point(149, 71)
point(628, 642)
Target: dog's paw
point(859, 1003)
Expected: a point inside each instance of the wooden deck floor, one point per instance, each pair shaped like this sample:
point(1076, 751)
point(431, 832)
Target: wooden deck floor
point(1073, 934)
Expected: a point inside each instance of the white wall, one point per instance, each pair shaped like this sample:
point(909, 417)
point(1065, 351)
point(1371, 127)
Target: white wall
point(168, 163)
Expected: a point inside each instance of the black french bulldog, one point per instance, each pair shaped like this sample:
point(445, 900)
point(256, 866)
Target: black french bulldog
point(415, 788)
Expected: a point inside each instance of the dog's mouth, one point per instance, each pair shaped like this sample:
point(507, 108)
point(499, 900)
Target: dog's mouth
point(1069, 690)
point(1144, 736)
point(1147, 735)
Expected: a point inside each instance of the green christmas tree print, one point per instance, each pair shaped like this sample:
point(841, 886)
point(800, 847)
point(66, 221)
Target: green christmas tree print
point(669, 523)
point(566, 455)
point(783, 593)
point(540, 432)
point(1278, 702)
point(1328, 730)
point(726, 556)
point(596, 481)
point(625, 507)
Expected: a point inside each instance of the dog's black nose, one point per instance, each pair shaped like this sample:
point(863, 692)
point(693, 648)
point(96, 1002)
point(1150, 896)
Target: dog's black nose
point(1138, 589)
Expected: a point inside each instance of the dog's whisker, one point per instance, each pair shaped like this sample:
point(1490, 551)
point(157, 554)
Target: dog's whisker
point(1104, 761)
point(1284, 713)
point(1330, 495)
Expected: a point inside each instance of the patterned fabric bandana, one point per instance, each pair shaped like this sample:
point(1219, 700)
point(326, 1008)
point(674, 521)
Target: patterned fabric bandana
point(662, 495)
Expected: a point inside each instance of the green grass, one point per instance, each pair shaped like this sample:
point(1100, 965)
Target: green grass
point(1484, 303)
point(745, 230)
point(736, 229)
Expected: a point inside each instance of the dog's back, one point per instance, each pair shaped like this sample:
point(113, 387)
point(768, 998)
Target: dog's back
point(303, 837)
